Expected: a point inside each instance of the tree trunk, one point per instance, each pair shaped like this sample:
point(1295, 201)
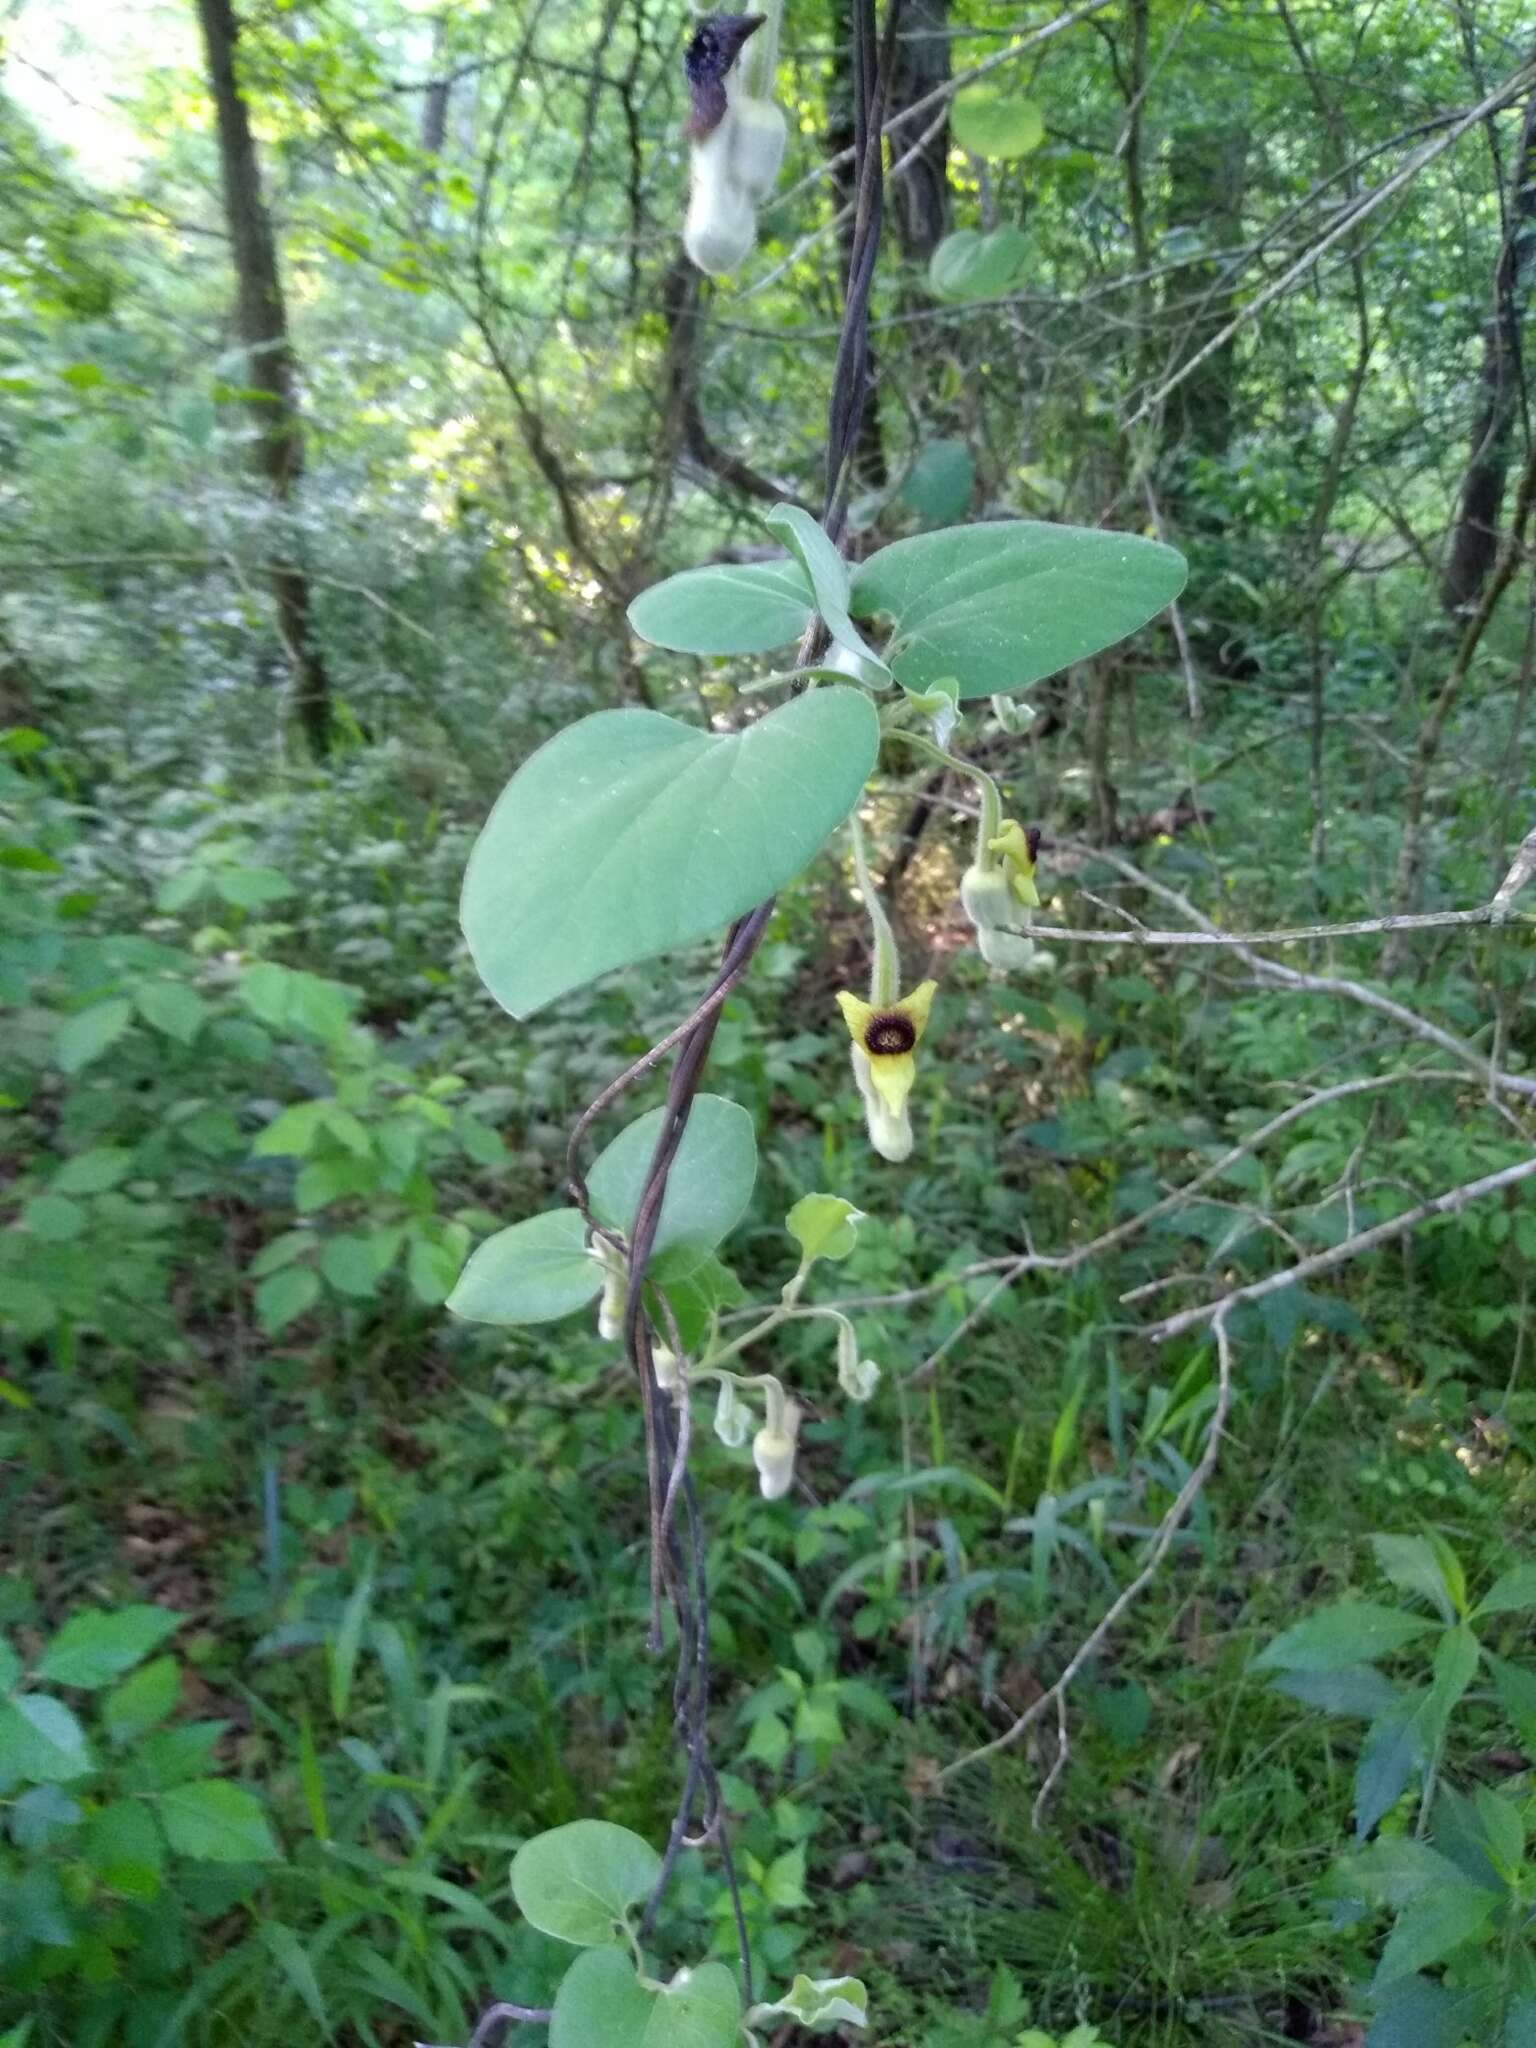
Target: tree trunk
point(920, 195)
point(272, 372)
point(1207, 173)
point(434, 105)
point(1474, 544)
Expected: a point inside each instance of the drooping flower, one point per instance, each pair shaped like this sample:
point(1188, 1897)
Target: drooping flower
point(858, 1377)
point(888, 1035)
point(738, 143)
point(885, 1040)
point(773, 1452)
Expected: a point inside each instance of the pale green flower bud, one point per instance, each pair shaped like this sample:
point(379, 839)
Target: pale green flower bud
point(858, 1377)
point(773, 1453)
point(667, 1367)
point(615, 1295)
point(733, 1418)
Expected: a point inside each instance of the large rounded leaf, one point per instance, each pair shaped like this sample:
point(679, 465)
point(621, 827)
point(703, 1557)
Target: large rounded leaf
point(578, 1882)
point(998, 606)
point(708, 1188)
point(602, 2004)
point(989, 120)
point(969, 265)
point(733, 608)
point(631, 833)
point(533, 1273)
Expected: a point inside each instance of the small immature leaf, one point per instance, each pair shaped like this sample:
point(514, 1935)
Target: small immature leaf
point(283, 1297)
point(1517, 1695)
point(1353, 1632)
point(142, 1702)
point(824, 1226)
point(630, 834)
point(708, 1188)
point(96, 1646)
point(1002, 604)
point(1359, 1690)
point(434, 1263)
point(696, 1294)
point(602, 2004)
point(87, 1035)
point(172, 1009)
point(1432, 1927)
point(217, 1822)
point(1413, 1565)
point(533, 1273)
point(746, 608)
point(988, 120)
point(1394, 1748)
point(1456, 1660)
point(1514, 1593)
point(577, 1882)
point(1416, 2012)
point(93, 1172)
point(819, 2003)
point(250, 888)
point(355, 1261)
point(124, 1848)
point(41, 1742)
point(827, 574)
point(1503, 1830)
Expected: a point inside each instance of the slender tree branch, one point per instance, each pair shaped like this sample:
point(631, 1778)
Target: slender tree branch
point(1162, 1543)
point(1447, 1204)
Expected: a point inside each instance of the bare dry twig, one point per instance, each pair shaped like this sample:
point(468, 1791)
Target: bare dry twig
point(1162, 1543)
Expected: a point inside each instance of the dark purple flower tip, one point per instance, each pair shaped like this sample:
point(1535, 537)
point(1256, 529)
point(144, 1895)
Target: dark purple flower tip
point(717, 43)
point(1032, 836)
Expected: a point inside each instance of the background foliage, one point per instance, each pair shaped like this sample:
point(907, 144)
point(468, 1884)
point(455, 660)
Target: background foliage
point(316, 1604)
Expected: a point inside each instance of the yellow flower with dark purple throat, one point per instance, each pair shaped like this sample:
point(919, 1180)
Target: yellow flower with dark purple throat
point(885, 1041)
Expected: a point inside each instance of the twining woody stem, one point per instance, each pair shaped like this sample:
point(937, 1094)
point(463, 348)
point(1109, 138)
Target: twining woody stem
point(678, 1565)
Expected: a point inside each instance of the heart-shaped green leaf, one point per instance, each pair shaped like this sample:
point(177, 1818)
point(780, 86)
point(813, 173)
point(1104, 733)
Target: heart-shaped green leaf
point(988, 120)
point(819, 2004)
point(708, 1188)
point(602, 2004)
point(578, 1882)
point(969, 265)
point(998, 606)
point(630, 834)
point(732, 608)
point(533, 1273)
point(824, 1226)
